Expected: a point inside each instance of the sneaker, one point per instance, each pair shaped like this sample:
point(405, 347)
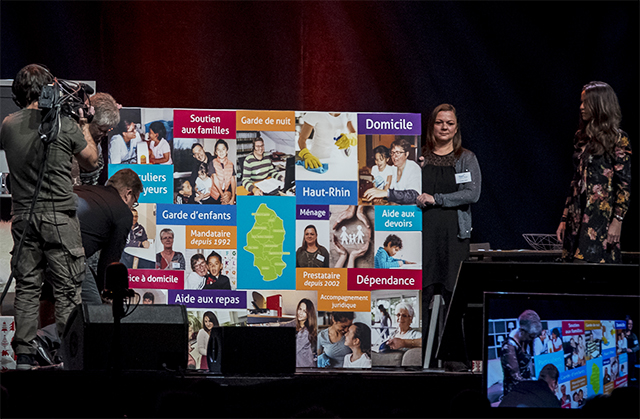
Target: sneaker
point(26, 362)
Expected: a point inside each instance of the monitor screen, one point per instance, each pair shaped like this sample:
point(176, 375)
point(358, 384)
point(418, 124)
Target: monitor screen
point(462, 333)
point(582, 337)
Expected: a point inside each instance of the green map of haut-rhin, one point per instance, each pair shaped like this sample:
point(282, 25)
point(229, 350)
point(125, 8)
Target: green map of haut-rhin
point(595, 378)
point(265, 241)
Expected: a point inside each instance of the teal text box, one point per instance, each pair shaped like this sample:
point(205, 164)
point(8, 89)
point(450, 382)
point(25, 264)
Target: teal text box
point(157, 181)
point(398, 218)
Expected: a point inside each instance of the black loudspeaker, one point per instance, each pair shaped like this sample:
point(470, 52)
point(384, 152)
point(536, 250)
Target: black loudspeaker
point(152, 337)
point(252, 350)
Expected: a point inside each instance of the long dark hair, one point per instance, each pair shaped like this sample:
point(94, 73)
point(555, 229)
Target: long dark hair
point(600, 133)
point(158, 128)
point(311, 324)
point(430, 141)
point(341, 316)
point(384, 311)
point(224, 143)
point(304, 242)
point(364, 334)
point(212, 318)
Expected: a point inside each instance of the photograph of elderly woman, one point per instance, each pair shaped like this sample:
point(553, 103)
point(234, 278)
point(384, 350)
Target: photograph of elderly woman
point(396, 331)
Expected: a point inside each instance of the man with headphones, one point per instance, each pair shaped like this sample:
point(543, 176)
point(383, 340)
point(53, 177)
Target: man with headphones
point(45, 228)
point(105, 118)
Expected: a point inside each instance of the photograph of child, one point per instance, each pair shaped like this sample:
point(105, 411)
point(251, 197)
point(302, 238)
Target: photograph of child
point(210, 168)
point(203, 186)
point(156, 146)
point(215, 279)
point(188, 155)
point(392, 254)
point(185, 192)
point(358, 339)
point(210, 269)
point(554, 343)
point(574, 354)
point(381, 175)
point(222, 171)
point(333, 327)
point(158, 137)
point(406, 174)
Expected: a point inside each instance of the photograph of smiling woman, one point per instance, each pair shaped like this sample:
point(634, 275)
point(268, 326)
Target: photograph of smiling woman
point(168, 258)
point(406, 186)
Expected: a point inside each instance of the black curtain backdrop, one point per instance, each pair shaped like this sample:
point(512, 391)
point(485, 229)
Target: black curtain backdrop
point(514, 71)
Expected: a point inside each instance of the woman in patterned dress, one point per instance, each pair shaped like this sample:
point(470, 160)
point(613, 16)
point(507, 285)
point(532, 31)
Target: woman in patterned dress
point(600, 188)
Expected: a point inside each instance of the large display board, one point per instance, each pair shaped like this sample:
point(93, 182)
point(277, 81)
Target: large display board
point(237, 226)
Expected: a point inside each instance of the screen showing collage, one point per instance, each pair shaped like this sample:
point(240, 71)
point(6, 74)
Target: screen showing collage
point(573, 345)
point(280, 218)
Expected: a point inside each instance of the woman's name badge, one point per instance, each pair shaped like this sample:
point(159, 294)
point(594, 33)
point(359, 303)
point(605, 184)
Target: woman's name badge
point(464, 177)
point(320, 258)
point(175, 265)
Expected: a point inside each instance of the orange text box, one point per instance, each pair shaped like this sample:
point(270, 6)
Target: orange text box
point(211, 237)
point(265, 121)
point(592, 325)
point(321, 279)
point(344, 301)
point(578, 383)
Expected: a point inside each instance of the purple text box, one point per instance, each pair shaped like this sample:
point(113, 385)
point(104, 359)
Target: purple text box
point(221, 299)
point(312, 212)
point(390, 123)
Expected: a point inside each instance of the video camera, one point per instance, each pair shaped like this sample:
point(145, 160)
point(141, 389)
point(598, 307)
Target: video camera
point(69, 96)
point(62, 97)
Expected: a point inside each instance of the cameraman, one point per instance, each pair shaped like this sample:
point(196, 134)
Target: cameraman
point(52, 238)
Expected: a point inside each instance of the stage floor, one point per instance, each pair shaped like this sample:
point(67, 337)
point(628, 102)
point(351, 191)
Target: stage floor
point(51, 393)
point(307, 393)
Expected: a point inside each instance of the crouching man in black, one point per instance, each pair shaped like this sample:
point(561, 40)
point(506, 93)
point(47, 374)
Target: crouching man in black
point(535, 393)
point(105, 221)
